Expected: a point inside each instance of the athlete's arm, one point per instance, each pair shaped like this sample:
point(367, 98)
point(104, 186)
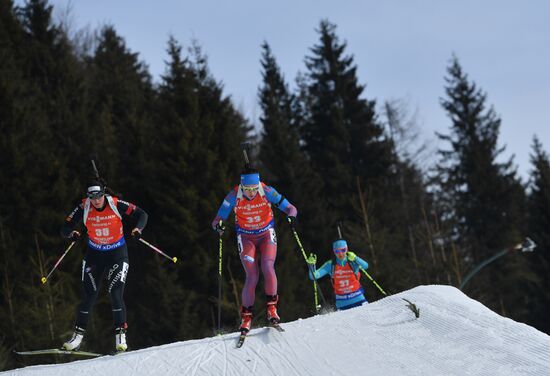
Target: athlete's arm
point(227, 205)
point(134, 212)
point(72, 220)
point(322, 271)
point(362, 263)
point(280, 201)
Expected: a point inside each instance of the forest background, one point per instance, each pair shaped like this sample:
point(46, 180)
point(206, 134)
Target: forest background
point(173, 148)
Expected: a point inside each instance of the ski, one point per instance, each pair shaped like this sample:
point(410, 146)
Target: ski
point(240, 342)
point(276, 326)
point(58, 352)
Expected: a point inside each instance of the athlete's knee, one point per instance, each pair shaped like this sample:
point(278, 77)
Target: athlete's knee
point(268, 266)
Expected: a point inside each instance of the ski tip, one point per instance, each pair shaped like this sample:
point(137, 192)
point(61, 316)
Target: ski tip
point(175, 259)
point(43, 280)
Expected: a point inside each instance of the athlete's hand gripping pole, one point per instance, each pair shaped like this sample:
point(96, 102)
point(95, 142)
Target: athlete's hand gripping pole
point(174, 259)
point(316, 288)
point(45, 279)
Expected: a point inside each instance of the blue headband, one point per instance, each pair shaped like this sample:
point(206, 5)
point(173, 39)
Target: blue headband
point(250, 179)
point(339, 244)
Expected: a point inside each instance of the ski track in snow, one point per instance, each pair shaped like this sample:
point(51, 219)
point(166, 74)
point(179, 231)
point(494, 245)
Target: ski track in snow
point(454, 336)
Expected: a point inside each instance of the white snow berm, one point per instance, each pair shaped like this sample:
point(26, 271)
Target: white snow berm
point(454, 335)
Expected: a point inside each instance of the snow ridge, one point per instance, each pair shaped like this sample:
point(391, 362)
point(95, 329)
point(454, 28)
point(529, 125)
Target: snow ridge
point(454, 335)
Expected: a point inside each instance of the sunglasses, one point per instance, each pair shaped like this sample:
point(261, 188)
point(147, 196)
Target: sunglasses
point(250, 189)
point(342, 250)
point(95, 195)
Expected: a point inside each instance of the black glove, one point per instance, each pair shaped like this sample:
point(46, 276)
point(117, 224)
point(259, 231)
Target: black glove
point(220, 229)
point(74, 235)
point(136, 233)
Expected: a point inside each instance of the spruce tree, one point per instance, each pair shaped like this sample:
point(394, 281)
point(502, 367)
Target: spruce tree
point(340, 131)
point(120, 98)
point(40, 101)
point(193, 159)
point(288, 170)
point(539, 223)
point(484, 196)
point(347, 147)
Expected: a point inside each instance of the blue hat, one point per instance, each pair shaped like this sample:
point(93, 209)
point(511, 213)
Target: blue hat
point(339, 244)
point(250, 179)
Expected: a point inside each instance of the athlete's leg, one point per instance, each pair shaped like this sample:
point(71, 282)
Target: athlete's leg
point(116, 280)
point(91, 281)
point(247, 251)
point(268, 249)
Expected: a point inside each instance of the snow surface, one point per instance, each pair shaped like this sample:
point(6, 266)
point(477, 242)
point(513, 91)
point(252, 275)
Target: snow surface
point(454, 335)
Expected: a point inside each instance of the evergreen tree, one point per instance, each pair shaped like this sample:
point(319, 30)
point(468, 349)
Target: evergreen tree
point(485, 196)
point(120, 95)
point(193, 158)
point(539, 223)
point(287, 169)
point(340, 131)
point(39, 92)
point(347, 146)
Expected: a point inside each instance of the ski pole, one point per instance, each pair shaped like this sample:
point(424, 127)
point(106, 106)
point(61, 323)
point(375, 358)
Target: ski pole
point(315, 297)
point(315, 286)
point(220, 257)
point(175, 259)
point(45, 279)
point(372, 280)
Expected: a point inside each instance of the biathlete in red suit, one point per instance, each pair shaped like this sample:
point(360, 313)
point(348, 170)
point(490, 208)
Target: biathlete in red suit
point(107, 254)
point(251, 201)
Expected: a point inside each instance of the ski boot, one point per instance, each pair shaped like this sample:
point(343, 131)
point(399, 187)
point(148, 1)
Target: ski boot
point(272, 315)
point(246, 319)
point(76, 340)
point(120, 338)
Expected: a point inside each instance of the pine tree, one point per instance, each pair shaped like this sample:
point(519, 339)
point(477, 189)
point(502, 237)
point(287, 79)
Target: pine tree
point(340, 131)
point(193, 158)
point(120, 98)
point(40, 96)
point(485, 196)
point(347, 147)
point(539, 223)
point(289, 171)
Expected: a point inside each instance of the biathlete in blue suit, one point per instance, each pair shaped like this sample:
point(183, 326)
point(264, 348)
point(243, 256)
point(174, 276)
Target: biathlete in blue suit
point(345, 273)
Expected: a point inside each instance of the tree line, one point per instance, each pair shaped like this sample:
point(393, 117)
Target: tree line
point(173, 148)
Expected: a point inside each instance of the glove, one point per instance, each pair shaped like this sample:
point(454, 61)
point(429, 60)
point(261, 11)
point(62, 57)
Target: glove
point(292, 220)
point(312, 259)
point(219, 228)
point(136, 233)
point(351, 256)
point(74, 235)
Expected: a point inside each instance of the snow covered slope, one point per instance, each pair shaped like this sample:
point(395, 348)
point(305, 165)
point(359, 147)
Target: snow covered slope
point(454, 335)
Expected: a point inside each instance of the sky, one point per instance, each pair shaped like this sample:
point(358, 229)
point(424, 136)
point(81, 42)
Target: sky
point(401, 48)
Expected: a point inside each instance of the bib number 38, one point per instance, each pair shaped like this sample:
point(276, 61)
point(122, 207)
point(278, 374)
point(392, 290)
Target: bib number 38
point(102, 231)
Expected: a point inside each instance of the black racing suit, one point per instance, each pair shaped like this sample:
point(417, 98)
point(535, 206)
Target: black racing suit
point(114, 262)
